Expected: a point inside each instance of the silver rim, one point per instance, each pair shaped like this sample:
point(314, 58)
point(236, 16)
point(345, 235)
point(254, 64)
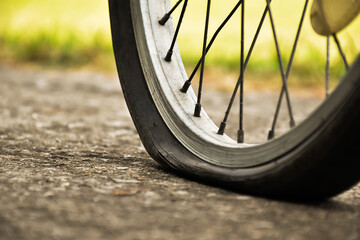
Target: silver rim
point(199, 135)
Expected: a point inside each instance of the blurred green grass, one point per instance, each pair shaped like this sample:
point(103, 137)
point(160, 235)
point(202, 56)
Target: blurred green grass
point(56, 33)
point(77, 33)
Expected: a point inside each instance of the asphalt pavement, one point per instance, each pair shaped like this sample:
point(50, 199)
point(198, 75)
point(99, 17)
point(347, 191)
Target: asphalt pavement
point(72, 167)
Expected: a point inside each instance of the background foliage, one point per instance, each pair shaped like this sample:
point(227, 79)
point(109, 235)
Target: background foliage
point(77, 33)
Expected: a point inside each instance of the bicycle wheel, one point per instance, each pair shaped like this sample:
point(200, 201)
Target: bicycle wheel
point(317, 159)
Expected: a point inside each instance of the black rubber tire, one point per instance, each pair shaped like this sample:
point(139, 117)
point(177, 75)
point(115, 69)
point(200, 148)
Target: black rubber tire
point(324, 165)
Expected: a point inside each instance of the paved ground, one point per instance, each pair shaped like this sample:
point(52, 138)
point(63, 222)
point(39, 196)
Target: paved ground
point(73, 167)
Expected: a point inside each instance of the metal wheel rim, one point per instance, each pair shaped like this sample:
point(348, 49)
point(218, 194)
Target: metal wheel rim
point(198, 135)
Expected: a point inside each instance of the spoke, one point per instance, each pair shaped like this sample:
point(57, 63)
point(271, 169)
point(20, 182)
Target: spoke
point(188, 82)
point(327, 70)
point(341, 51)
point(283, 76)
point(170, 52)
point(292, 122)
point(198, 104)
point(166, 17)
point(222, 127)
point(256, 36)
point(241, 115)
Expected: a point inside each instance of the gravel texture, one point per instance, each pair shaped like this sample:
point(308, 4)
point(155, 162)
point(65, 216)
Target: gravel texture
point(73, 167)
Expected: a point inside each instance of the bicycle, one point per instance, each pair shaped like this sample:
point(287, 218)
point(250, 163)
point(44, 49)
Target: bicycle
point(316, 159)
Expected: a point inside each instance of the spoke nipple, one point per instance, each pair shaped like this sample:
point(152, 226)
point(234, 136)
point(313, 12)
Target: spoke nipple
point(222, 128)
point(271, 134)
point(186, 86)
point(292, 123)
point(240, 136)
point(168, 56)
point(197, 110)
point(164, 19)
